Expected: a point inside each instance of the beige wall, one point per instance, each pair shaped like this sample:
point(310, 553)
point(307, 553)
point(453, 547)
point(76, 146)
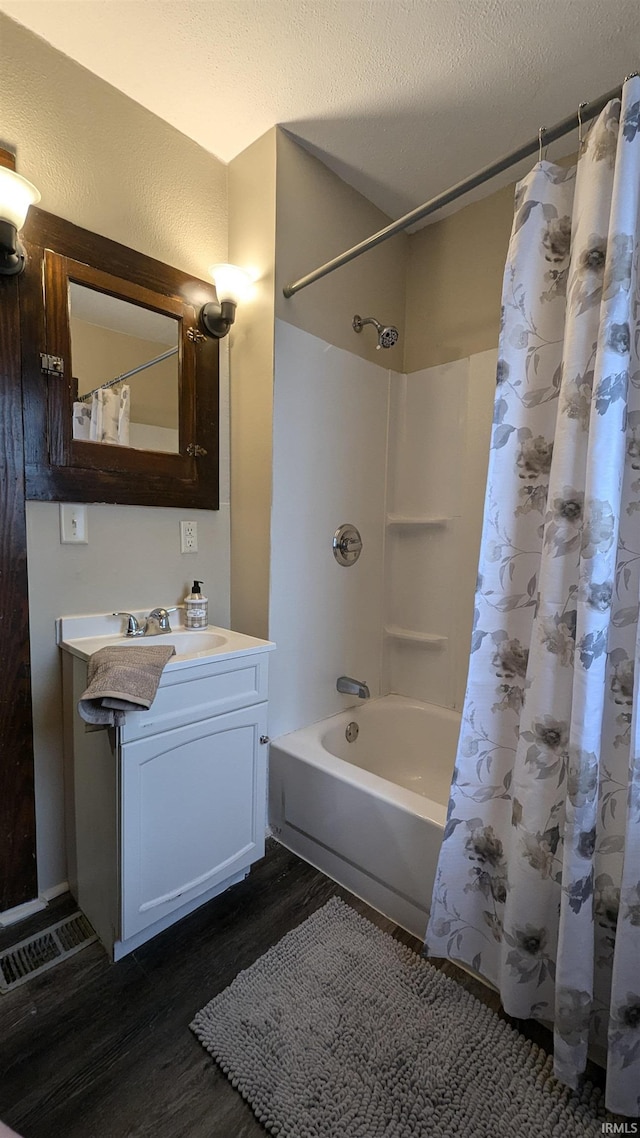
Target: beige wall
point(318, 217)
point(454, 282)
point(104, 162)
point(252, 221)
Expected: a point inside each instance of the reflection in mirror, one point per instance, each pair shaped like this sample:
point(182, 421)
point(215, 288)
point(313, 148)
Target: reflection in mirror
point(113, 339)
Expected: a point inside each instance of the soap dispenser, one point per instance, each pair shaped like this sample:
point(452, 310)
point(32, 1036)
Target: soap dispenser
point(196, 608)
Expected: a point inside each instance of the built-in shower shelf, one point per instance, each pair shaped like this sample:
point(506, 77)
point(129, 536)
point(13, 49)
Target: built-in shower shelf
point(428, 639)
point(418, 520)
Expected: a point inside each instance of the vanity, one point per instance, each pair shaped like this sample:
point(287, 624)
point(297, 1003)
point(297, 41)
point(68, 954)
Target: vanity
point(168, 810)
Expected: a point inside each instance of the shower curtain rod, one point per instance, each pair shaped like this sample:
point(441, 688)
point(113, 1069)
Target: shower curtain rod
point(585, 112)
point(128, 374)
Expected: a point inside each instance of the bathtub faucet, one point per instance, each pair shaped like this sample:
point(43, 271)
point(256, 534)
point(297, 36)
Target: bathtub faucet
point(349, 686)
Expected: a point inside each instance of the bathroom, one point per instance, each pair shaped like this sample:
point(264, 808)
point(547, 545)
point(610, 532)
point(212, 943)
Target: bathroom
point(317, 428)
point(132, 558)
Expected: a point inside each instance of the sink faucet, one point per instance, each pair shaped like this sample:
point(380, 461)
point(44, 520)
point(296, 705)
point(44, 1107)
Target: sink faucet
point(156, 622)
point(349, 686)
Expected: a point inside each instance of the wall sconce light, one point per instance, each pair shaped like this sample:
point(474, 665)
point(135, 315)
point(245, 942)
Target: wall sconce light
point(16, 195)
point(232, 285)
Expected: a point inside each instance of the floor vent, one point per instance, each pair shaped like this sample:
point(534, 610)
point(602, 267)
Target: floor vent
point(38, 953)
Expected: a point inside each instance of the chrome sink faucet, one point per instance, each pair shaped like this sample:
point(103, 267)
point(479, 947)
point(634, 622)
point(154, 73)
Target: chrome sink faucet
point(156, 622)
point(348, 686)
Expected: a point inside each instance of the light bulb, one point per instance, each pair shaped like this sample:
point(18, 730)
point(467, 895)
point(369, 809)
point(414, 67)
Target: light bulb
point(16, 195)
point(232, 283)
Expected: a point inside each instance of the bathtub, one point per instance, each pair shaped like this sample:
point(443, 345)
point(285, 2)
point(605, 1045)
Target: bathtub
point(369, 813)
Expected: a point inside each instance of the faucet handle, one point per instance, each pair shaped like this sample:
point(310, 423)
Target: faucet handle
point(133, 626)
point(158, 620)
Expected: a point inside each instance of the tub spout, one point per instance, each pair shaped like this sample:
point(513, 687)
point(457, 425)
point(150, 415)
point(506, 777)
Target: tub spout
point(348, 686)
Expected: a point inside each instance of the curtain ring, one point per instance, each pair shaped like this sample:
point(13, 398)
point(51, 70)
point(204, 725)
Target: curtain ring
point(580, 137)
point(541, 131)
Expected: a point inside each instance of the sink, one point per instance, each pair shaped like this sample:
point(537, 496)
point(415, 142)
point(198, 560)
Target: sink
point(186, 644)
point(84, 635)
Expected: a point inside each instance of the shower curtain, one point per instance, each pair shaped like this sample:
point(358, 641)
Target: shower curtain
point(106, 418)
point(538, 882)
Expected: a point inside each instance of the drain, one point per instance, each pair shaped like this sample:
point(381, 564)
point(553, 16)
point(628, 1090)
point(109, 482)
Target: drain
point(40, 952)
point(352, 732)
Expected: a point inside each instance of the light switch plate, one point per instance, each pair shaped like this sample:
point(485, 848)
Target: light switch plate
point(73, 524)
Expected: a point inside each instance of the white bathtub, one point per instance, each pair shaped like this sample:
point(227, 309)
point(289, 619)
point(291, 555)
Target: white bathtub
point(369, 814)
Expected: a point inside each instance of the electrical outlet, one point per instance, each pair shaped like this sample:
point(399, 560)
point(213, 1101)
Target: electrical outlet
point(189, 537)
point(73, 524)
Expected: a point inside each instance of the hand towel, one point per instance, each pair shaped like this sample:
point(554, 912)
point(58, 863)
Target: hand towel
point(122, 678)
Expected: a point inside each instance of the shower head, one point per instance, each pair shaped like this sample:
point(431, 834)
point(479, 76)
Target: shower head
point(387, 337)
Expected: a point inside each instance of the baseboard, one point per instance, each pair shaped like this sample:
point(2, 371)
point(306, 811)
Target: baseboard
point(21, 912)
point(54, 891)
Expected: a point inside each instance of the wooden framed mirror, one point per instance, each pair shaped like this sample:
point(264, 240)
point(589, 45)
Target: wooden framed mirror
point(120, 386)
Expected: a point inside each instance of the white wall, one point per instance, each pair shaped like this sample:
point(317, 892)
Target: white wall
point(440, 420)
point(337, 459)
point(329, 447)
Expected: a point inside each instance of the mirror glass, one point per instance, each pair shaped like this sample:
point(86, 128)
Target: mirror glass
point(113, 338)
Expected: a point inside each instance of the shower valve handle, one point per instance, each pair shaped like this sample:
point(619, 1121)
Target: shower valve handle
point(347, 545)
point(350, 545)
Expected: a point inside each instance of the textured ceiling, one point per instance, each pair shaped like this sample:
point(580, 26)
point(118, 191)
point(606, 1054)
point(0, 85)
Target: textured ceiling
point(401, 97)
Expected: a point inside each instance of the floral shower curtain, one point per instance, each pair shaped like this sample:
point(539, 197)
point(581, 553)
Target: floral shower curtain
point(106, 418)
point(538, 883)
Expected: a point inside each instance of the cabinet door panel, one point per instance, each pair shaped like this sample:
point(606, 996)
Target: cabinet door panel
point(193, 804)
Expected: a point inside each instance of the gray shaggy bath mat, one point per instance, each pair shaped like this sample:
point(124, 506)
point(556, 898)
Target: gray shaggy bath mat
point(339, 1031)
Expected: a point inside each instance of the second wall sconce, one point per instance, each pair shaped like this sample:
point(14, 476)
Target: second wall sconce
point(232, 285)
point(16, 195)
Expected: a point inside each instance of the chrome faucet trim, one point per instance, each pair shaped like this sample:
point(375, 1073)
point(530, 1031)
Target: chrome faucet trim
point(156, 622)
point(134, 628)
point(348, 686)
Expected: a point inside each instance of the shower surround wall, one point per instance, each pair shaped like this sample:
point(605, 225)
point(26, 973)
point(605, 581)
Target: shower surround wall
point(403, 457)
point(329, 446)
point(438, 447)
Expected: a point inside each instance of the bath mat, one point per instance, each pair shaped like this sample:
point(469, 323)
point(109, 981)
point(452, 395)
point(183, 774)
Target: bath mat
point(340, 1031)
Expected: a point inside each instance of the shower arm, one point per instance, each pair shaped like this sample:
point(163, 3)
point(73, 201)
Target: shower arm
point(360, 321)
point(586, 112)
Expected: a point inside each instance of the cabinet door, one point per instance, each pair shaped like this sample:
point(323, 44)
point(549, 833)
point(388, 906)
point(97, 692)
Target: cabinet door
point(193, 812)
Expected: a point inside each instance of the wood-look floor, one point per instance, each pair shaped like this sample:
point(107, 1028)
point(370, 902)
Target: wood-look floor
point(95, 1050)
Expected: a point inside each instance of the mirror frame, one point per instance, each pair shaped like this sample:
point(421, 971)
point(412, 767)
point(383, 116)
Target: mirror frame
point(61, 468)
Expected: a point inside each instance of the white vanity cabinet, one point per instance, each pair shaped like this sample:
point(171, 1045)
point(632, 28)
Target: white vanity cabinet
point(168, 810)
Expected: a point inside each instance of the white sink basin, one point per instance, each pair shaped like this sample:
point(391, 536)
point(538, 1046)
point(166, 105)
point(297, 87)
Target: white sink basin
point(191, 643)
point(84, 635)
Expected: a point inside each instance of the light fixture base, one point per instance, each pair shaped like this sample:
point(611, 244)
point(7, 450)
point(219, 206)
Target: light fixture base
point(216, 319)
point(12, 254)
